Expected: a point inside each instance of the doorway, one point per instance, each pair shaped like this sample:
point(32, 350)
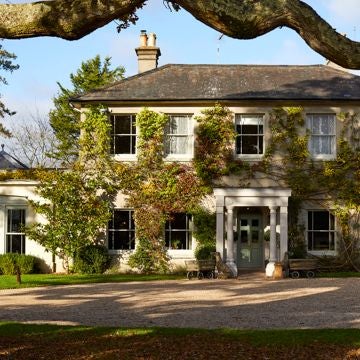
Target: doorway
point(250, 241)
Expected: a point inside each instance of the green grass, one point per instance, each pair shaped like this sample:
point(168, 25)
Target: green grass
point(340, 274)
point(348, 337)
point(33, 280)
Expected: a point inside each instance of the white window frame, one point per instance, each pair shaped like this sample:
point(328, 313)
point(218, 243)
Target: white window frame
point(328, 251)
point(239, 117)
point(188, 230)
point(133, 137)
point(310, 118)
point(113, 230)
point(190, 136)
point(8, 233)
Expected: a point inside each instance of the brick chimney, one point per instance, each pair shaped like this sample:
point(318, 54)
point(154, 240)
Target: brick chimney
point(147, 53)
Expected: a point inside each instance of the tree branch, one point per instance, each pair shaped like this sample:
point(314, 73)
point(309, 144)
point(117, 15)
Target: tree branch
point(67, 19)
point(247, 19)
point(241, 19)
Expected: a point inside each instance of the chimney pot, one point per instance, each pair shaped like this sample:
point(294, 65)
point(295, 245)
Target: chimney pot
point(143, 38)
point(152, 39)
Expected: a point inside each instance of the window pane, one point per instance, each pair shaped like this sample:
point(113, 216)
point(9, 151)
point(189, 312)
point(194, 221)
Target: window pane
point(322, 128)
point(121, 231)
point(320, 240)
point(16, 220)
point(244, 222)
point(122, 124)
point(250, 145)
point(178, 135)
point(255, 236)
point(121, 219)
point(250, 134)
point(244, 236)
point(255, 222)
point(178, 125)
point(178, 221)
point(121, 240)
point(321, 234)
point(15, 244)
point(178, 240)
point(177, 232)
point(176, 144)
point(123, 137)
point(321, 220)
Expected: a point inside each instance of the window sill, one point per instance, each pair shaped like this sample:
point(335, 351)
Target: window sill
point(181, 253)
point(124, 157)
point(118, 252)
point(323, 157)
point(322, 252)
point(249, 157)
point(178, 158)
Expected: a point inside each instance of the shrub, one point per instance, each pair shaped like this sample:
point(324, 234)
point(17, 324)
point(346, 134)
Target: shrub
point(92, 259)
point(205, 252)
point(205, 233)
point(8, 263)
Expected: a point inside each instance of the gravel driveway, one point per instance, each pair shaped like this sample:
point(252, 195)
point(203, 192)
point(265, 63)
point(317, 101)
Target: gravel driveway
point(249, 302)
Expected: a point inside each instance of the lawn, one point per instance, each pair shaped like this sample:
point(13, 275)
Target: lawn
point(29, 341)
point(33, 280)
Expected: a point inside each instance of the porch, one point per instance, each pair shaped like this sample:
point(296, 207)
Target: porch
point(252, 227)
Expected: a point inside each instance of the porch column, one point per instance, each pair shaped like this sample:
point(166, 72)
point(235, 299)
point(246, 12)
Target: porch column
point(230, 261)
point(220, 244)
point(270, 267)
point(283, 231)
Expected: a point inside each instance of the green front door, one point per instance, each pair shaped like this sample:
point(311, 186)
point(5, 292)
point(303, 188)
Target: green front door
point(250, 241)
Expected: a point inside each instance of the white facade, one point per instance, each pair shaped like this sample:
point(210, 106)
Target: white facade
point(14, 201)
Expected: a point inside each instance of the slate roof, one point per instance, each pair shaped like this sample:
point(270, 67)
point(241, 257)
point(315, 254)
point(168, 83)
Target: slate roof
point(8, 161)
point(231, 82)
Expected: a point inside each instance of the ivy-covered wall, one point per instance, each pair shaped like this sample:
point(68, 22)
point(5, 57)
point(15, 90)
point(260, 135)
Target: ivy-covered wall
point(331, 184)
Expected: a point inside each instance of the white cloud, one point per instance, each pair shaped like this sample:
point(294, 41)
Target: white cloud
point(347, 10)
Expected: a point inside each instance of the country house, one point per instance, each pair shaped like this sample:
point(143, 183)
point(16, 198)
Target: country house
point(252, 218)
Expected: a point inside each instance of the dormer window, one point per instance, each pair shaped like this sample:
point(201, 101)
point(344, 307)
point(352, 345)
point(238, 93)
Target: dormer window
point(179, 136)
point(249, 134)
point(123, 134)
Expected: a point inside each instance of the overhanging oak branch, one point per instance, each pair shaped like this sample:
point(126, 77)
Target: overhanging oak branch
point(241, 19)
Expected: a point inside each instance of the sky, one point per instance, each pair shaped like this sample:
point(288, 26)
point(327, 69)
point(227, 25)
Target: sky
point(181, 38)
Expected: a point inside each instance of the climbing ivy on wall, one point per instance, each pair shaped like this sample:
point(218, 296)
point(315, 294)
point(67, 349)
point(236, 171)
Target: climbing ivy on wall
point(156, 189)
point(334, 184)
point(214, 143)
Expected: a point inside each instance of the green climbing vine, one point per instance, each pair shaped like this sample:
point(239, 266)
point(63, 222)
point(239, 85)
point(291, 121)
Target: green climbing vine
point(156, 189)
point(334, 184)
